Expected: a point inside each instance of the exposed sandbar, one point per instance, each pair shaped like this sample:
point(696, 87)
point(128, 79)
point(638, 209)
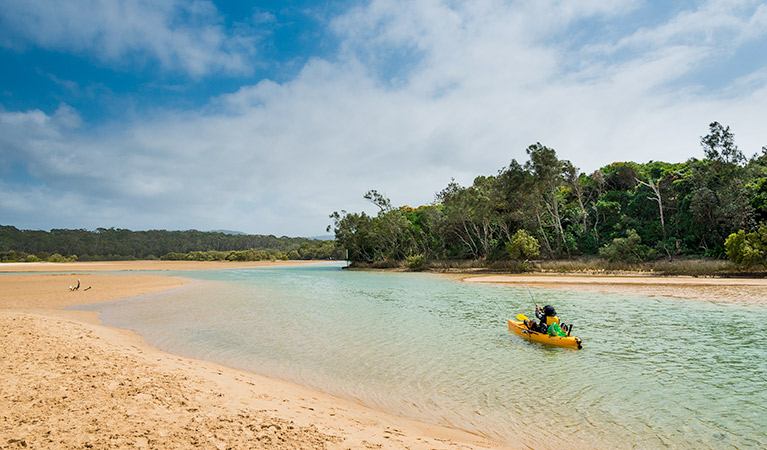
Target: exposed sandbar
point(106, 266)
point(746, 290)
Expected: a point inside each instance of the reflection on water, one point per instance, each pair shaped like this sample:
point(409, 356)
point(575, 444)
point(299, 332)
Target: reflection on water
point(654, 373)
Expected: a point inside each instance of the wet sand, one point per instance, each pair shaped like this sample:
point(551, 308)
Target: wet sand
point(69, 382)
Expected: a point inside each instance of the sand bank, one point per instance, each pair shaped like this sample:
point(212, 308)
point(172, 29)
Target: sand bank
point(720, 289)
point(71, 383)
point(106, 266)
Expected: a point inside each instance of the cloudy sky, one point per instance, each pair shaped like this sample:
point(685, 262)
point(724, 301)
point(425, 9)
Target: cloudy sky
point(266, 116)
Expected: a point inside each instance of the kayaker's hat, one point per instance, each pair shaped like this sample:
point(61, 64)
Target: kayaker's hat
point(549, 310)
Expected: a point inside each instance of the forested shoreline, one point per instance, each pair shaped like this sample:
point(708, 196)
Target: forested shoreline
point(546, 209)
point(105, 244)
point(527, 215)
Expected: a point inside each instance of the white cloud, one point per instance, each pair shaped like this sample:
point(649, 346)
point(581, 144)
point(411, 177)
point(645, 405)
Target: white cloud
point(486, 79)
point(718, 25)
point(184, 35)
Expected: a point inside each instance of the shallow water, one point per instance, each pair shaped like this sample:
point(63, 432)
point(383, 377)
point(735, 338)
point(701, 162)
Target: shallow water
point(653, 373)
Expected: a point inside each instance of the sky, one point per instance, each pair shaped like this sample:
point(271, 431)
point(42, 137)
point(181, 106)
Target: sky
point(266, 116)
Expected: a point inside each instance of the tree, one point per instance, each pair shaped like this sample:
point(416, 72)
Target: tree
point(657, 198)
point(515, 198)
point(573, 179)
point(719, 145)
point(470, 216)
point(547, 170)
point(380, 200)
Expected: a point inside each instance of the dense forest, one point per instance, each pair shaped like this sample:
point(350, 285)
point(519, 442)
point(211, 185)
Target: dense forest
point(60, 245)
point(547, 209)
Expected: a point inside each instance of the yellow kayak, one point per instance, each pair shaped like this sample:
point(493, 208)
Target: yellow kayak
point(522, 330)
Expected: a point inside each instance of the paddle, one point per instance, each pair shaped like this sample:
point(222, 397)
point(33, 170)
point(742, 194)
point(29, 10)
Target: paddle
point(521, 317)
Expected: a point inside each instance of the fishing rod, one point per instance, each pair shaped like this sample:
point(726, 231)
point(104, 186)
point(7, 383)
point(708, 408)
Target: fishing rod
point(532, 298)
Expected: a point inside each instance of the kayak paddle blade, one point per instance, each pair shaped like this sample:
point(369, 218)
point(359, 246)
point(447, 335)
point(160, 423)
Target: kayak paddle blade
point(521, 317)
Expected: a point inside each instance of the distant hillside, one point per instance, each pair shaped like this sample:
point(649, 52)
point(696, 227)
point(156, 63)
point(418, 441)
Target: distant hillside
point(324, 237)
point(122, 244)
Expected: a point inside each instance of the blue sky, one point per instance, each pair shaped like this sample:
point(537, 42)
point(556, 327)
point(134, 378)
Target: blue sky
point(266, 116)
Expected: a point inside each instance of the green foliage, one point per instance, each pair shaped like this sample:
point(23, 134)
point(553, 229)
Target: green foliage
point(748, 249)
point(119, 244)
point(628, 249)
point(17, 256)
point(57, 258)
point(719, 145)
point(625, 211)
point(415, 262)
point(255, 255)
point(523, 246)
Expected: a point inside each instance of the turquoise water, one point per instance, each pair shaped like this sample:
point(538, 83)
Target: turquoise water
point(654, 373)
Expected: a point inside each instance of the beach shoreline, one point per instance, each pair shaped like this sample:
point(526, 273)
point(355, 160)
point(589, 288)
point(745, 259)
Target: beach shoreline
point(71, 382)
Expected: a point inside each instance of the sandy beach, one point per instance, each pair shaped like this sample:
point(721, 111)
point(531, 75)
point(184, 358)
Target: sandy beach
point(132, 266)
point(69, 382)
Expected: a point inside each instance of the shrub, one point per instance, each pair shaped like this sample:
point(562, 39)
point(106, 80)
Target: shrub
point(628, 249)
point(415, 262)
point(523, 246)
point(747, 249)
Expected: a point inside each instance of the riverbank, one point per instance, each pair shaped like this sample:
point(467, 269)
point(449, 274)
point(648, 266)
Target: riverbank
point(70, 382)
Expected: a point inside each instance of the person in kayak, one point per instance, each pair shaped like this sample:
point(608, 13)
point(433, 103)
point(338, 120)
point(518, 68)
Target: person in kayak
point(547, 315)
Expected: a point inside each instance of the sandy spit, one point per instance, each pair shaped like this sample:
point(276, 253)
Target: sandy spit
point(105, 266)
point(68, 382)
point(745, 290)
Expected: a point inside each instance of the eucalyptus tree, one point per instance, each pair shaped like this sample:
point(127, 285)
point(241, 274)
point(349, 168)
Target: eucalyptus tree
point(573, 179)
point(719, 202)
point(470, 216)
point(516, 197)
point(547, 172)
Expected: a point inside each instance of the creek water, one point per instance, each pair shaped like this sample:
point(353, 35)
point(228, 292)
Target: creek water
point(653, 372)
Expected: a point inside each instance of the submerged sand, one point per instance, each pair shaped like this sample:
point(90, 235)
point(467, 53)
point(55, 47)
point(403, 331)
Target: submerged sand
point(69, 382)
